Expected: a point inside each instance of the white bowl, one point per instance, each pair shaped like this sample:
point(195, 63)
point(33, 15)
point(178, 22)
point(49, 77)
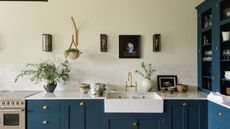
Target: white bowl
point(227, 77)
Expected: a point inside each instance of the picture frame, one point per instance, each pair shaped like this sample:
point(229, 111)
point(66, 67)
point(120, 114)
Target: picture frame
point(129, 46)
point(103, 42)
point(165, 82)
point(156, 43)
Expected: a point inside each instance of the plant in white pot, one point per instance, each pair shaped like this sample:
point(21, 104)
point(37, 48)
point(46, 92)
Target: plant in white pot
point(147, 83)
point(47, 72)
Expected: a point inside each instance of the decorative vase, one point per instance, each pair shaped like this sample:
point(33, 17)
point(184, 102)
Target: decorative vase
point(49, 87)
point(147, 85)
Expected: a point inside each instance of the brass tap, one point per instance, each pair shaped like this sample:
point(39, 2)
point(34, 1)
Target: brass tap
point(130, 80)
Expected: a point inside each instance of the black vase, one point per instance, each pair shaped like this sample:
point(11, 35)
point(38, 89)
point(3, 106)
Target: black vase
point(50, 87)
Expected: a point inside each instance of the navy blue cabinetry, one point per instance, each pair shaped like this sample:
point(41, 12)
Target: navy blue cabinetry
point(44, 115)
point(213, 46)
point(136, 121)
point(65, 114)
point(218, 116)
point(83, 114)
point(187, 114)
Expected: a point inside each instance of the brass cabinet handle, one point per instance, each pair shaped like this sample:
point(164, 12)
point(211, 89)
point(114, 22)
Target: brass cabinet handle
point(135, 124)
point(184, 104)
point(82, 104)
point(213, 77)
point(219, 113)
point(45, 122)
point(44, 107)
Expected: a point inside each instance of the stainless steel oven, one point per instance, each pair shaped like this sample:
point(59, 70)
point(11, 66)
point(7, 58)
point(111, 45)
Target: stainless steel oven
point(12, 118)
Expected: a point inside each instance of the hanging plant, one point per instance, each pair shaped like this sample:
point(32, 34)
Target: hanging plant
point(73, 52)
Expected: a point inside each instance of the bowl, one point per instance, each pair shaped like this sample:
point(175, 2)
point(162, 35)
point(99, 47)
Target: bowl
point(227, 77)
point(182, 88)
point(226, 35)
point(84, 88)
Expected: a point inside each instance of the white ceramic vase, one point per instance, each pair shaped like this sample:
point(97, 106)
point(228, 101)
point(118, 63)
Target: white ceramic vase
point(147, 85)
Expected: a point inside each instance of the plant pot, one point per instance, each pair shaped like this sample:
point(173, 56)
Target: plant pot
point(50, 87)
point(147, 85)
point(226, 35)
point(74, 55)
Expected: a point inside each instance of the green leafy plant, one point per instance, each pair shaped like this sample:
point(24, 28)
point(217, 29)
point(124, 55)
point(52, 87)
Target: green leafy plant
point(46, 71)
point(69, 50)
point(148, 71)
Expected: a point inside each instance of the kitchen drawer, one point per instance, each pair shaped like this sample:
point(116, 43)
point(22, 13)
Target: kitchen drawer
point(49, 121)
point(214, 124)
point(219, 113)
point(43, 106)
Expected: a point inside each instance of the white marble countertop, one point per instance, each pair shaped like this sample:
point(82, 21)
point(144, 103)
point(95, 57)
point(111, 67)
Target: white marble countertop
point(190, 95)
point(62, 95)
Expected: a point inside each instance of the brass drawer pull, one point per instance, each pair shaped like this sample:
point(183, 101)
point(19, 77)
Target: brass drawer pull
point(135, 124)
point(82, 104)
point(44, 107)
point(184, 104)
point(45, 122)
point(219, 113)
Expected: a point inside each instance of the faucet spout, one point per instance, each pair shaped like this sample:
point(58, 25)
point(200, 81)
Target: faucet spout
point(129, 83)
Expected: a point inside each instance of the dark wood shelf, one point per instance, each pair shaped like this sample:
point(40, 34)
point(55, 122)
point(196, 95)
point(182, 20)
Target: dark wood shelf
point(206, 29)
point(224, 79)
point(207, 45)
point(225, 42)
point(207, 77)
point(225, 60)
point(225, 21)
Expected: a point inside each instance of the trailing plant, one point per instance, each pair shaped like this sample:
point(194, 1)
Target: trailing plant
point(148, 71)
point(46, 71)
point(69, 50)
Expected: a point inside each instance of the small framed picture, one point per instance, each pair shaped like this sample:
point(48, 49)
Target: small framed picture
point(165, 82)
point(156, 42)
point(129, 46)
point(103, 40)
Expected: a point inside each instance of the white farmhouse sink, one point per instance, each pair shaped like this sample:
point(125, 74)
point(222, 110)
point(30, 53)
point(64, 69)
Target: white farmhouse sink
point(125, 102)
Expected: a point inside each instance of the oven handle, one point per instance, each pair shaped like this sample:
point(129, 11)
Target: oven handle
point(12, 110)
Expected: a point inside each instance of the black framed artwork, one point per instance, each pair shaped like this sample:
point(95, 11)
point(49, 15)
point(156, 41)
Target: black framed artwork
point(165, 82)
point(103, 40)
point(129, 46)
point(156, 42)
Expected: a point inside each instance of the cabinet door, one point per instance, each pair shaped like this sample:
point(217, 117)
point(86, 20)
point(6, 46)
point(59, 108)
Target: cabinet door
point(87, 114)
point(43, 114)
point(188, 114)
point(135, 121)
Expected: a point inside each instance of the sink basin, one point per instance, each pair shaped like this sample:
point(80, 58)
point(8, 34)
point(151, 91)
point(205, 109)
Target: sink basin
point(125, 102)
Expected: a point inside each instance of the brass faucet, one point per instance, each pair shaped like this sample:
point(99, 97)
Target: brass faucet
point(130, 79)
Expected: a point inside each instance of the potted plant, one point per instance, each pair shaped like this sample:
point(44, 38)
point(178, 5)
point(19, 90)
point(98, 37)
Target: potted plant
point(147, 83)
point(72, 53)
point(47, 72)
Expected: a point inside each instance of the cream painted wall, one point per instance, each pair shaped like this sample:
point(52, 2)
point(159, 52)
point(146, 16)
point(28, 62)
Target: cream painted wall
point(23, 23)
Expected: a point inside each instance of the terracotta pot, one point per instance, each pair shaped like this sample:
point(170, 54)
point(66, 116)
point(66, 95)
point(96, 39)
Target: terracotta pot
point(228, 91)
point(182, 88)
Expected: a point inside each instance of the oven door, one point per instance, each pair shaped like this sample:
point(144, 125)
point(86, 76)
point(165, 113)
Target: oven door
point(12, 119)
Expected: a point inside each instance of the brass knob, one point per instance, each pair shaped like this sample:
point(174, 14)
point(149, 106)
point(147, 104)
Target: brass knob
point(219, 113)
point(134, 124)
point(213, 77)
point(45, 107)
point(45, 122)
point(184, 104)
point(82, 104)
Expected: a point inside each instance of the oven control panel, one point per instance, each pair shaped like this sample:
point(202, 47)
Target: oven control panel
point(12, 103)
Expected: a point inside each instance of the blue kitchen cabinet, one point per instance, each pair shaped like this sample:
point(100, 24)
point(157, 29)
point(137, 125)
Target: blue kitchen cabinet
point(83, 114)
point(135, 121)
point(44, 114)
point(218, 116)
point(213, 49)
point(65, 114)
point(188, 114)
